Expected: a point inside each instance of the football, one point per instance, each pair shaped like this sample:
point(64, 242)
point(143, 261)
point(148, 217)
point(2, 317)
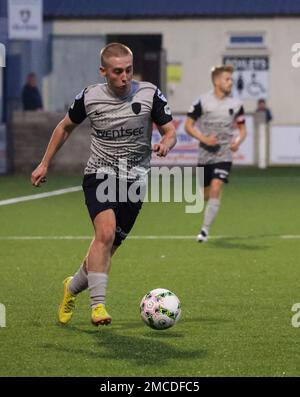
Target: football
point(160, 309)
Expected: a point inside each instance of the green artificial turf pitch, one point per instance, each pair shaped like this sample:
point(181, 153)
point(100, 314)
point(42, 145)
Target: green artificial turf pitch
point(236, 291)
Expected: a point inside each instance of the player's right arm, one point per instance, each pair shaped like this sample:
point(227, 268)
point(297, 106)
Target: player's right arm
point(61, 133)
point(190, 125)
point(59, 136)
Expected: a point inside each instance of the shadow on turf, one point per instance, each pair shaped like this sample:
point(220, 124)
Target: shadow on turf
point(238, 243)
point(127, 325)
point(111, 345)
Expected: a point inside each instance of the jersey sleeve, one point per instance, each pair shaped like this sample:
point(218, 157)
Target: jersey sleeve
point(161, 112)
point(240, 115)
point(195, 111)
point(77, 111)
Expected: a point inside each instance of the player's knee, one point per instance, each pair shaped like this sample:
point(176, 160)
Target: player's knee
point(216, 189)
point(106, 236)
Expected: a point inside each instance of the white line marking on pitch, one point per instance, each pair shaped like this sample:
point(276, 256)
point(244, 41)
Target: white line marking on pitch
point(290, 236)
point(40, 195)
point(133, 237)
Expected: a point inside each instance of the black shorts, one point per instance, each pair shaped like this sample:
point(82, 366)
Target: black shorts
point(216, 171)
point(126, 211)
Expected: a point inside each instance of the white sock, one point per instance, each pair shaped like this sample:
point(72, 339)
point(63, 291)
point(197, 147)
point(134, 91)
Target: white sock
point(210, 213)
point(97, 287)
point(79, 282)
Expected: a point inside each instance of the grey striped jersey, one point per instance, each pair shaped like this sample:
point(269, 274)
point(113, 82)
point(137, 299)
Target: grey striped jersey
point(121, 128)
point(217, 116)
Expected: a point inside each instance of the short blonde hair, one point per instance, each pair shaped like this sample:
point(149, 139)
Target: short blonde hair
point(217, 70)
point(114, 50)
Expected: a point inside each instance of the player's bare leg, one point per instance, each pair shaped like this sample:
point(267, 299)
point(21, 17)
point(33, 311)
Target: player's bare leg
point(212, 195)
point(99, 260)
point(206, 193)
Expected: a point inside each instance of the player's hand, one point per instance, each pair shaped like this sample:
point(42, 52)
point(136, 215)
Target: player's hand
point(160, 149)
point(235, 146)
point(39, 175)
point(211, 140)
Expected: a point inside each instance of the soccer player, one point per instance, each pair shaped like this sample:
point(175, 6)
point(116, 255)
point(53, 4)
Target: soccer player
point(121, 113)
point(218, 115)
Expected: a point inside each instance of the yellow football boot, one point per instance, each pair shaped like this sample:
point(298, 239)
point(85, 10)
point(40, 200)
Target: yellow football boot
point(100, 315)
point(67, 305)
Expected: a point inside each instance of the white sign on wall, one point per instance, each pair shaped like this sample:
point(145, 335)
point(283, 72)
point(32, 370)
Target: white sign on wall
point(285, 145)
point(25, 19)
point(250, 77)
point(186, 150)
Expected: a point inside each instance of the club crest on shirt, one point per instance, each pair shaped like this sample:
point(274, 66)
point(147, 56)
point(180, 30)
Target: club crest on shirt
point(136, 107)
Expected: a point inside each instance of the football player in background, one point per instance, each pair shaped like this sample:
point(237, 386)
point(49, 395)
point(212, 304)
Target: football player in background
point(218, 115)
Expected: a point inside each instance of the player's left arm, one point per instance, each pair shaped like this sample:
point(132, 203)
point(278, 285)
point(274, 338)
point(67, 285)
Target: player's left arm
point(241, 126)
point(162, 117)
